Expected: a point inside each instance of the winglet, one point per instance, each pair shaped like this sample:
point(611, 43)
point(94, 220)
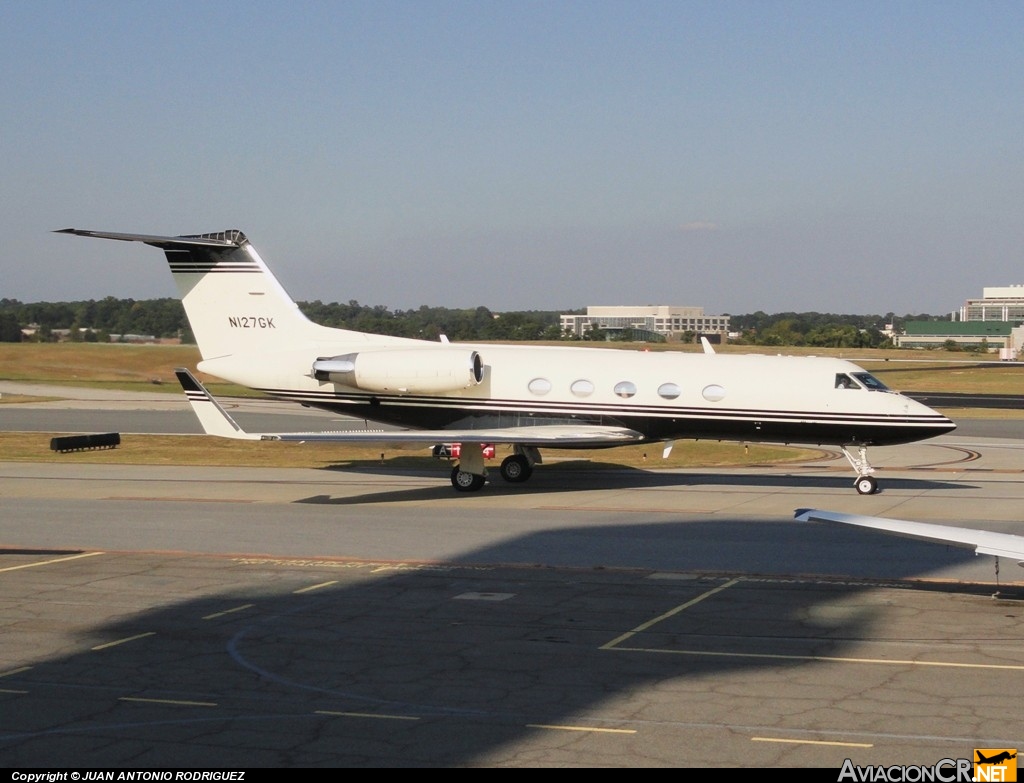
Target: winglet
point(706, 345)
point(214, 419)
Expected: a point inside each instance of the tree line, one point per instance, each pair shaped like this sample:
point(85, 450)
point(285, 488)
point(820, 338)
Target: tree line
point(165, 318)
point(820, 330)
point(93, 320)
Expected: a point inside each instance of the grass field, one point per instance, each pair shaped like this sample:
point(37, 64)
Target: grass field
point(106, 366)
point(151, 368)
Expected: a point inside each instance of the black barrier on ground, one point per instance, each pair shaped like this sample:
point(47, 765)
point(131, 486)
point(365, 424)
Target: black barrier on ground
point(107, 440)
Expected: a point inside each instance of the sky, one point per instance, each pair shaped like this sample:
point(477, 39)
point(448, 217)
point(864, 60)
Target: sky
point(847, 157)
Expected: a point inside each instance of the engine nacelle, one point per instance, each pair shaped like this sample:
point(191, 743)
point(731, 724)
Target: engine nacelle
point(404, 370)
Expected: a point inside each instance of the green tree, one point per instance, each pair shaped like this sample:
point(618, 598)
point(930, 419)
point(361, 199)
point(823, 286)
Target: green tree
point(10, 329)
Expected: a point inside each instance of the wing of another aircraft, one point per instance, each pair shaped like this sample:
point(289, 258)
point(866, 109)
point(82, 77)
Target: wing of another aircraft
point(983, 542)
point(216, 421)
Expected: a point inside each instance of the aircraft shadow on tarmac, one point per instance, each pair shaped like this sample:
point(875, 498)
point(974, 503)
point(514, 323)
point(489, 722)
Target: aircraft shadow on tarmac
point(618, 477)
point(458, 665)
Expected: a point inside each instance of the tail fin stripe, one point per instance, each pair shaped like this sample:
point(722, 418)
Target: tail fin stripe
point(196, 269)
point(202, 262)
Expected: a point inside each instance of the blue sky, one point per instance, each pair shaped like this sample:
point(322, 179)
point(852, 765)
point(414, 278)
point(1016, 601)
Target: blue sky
point(854, 157)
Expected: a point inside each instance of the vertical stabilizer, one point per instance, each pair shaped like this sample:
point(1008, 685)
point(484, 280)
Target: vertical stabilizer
point(233, 302)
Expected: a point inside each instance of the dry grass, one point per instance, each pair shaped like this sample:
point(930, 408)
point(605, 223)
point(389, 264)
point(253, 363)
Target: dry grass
point(105, 366)
point(1005, 378)
point(13, 399)
point(151, 367)
point(76, 363)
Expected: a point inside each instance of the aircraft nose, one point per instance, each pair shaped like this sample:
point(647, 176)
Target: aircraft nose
point(936, 422)
point(942, 423)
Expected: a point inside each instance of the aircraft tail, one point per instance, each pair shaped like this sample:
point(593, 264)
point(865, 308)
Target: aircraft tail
point(233, 302)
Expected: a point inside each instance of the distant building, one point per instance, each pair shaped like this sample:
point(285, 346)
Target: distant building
point(664, 320)
point(84, 333)
point(1000, 303)
point(978, 335)
point(993, 323)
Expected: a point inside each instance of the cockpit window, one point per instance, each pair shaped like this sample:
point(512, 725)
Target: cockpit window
point(871, 383)
point(844, 381)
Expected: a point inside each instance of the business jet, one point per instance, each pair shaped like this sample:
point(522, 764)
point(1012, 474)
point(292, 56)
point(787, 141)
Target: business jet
point(249, 331)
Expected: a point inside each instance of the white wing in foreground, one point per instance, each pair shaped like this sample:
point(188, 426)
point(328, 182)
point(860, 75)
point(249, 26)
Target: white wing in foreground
point(216, 421)
point(983, 542)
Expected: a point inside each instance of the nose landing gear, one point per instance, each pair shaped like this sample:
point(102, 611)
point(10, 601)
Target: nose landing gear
point(865, 483)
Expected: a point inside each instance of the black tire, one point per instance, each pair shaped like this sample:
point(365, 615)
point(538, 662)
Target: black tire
point(866, 485)
point(466, 482)
point(516, 469)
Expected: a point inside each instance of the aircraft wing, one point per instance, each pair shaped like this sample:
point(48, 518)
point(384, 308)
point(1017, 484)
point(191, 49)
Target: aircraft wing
point(983, 542)
point(551, 435)
point(217, 421)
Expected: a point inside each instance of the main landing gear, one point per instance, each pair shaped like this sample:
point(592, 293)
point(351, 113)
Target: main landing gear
point(515, 468)
point(464, 481)
point(865, 483)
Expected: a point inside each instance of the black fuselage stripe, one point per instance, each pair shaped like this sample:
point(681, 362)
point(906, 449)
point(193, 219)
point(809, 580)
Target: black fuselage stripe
point(470, 406)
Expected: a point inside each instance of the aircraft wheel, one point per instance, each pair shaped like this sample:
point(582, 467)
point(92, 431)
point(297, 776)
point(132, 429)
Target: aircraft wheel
point(466, 482)
point(516, 468)
point(866, 485)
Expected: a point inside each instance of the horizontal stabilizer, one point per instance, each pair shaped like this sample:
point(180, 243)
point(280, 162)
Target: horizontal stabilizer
point(220, 239)
point(983, 542)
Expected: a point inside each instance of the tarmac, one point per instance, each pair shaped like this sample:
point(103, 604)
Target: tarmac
point(194, 617)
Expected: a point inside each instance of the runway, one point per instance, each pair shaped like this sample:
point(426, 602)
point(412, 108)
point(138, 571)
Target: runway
point(189, 616)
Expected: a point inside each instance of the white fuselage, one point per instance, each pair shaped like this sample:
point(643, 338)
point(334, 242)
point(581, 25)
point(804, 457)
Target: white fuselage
point(664, 395)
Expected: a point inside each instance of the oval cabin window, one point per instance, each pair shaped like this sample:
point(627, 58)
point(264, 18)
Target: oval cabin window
point(625, 389)
point(669, 391)
point(582, 388)
point(713, 393)
point(539, 386)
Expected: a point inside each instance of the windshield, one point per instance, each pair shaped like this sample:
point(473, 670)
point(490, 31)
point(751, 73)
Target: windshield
point(871, 383)
point(844, 381)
